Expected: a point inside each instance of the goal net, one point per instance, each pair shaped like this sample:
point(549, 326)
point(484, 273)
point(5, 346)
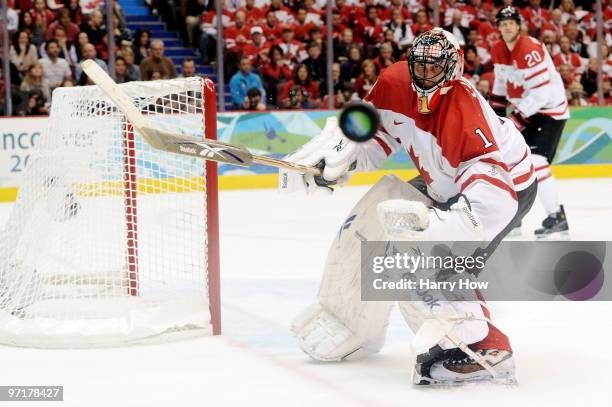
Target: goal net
point(111, 242)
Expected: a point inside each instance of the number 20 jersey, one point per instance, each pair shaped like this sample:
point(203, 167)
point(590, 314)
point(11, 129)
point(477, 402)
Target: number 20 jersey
point(462, 146)
point(527, 77)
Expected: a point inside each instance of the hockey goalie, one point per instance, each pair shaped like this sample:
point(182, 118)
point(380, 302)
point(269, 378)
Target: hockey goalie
point(476, 183)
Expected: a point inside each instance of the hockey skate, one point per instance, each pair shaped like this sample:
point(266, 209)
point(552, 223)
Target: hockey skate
point(555, 226)
point(454, 367)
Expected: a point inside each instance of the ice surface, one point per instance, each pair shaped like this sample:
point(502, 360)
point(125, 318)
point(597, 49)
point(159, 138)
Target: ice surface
point(273, 249)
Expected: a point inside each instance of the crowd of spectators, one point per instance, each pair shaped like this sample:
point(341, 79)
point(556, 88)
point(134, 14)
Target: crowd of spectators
point(278, 47)
point(49, 38)
point(275, 51)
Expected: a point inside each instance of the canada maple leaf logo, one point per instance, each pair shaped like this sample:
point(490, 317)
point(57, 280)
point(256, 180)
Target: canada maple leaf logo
point(515, 91)
point(417, 163)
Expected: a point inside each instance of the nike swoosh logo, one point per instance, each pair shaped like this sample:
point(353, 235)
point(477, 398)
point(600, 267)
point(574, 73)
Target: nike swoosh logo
point(395, 122)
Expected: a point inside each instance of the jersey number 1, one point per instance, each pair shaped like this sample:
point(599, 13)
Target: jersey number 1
point(484, 138)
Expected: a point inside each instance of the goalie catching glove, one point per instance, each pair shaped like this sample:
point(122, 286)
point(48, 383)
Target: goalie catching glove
point(329, 151)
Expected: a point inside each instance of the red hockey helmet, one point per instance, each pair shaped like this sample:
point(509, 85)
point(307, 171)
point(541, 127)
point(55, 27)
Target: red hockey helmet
point(435, 63)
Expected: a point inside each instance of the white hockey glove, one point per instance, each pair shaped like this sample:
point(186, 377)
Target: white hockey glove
point(330, 151)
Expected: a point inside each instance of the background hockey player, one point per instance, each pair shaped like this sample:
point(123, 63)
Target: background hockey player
point(476, 183)
point(526, 77)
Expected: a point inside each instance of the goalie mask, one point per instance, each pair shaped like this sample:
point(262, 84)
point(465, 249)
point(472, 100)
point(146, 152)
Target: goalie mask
point(435, 63)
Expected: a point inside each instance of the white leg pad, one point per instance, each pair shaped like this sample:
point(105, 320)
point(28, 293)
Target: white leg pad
point(341, 326)
point(340, 290)
point(324, 337)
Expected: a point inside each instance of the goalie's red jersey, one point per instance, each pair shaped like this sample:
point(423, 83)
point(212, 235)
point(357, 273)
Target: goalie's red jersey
point(527, 77)
point(461, 147)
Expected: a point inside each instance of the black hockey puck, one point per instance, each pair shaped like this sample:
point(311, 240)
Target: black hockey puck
point(359, 121)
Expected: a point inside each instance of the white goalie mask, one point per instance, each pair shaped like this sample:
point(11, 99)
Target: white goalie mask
point(435, 63)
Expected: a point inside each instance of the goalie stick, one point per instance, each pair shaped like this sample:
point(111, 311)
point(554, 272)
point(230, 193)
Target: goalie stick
point(359, 122)
point(174, 143)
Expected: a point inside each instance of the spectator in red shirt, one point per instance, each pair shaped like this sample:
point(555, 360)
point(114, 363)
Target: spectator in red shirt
point(482, 48)
point(484, 88)
point(275, 72)
point(208, 34)
point(102, 49)
point(338, 25)
point(313, 15)
point(566, 56)
point(421, 23)
point(76, 15)
point(489, 76)
point(366, 80)
point(283, 14)
point(301, 26)
point(293, 50)
point(255, 15)
point(576, 95)
point(369, 29)
point(309, 88)
point(472, 65)
point(554, 24)
point(258, 48)
point(63, 20)
point(346, 11)
point(361, 11)
point(237, 34)
point(567, 10)
point(272, 28)
point(475, 13)
point(567, 75)
point(535, 16)
point(488, 29)
point(42, 15)
point(607, 59)
point(385, 57)
point(396, 5)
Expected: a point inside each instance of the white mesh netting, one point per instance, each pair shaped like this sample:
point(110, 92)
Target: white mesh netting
point(107, 242)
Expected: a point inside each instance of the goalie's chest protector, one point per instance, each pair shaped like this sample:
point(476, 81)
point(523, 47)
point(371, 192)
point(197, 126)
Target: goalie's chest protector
point(460, 130)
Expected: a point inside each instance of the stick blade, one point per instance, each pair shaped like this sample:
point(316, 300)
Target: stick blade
point(204, 149)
